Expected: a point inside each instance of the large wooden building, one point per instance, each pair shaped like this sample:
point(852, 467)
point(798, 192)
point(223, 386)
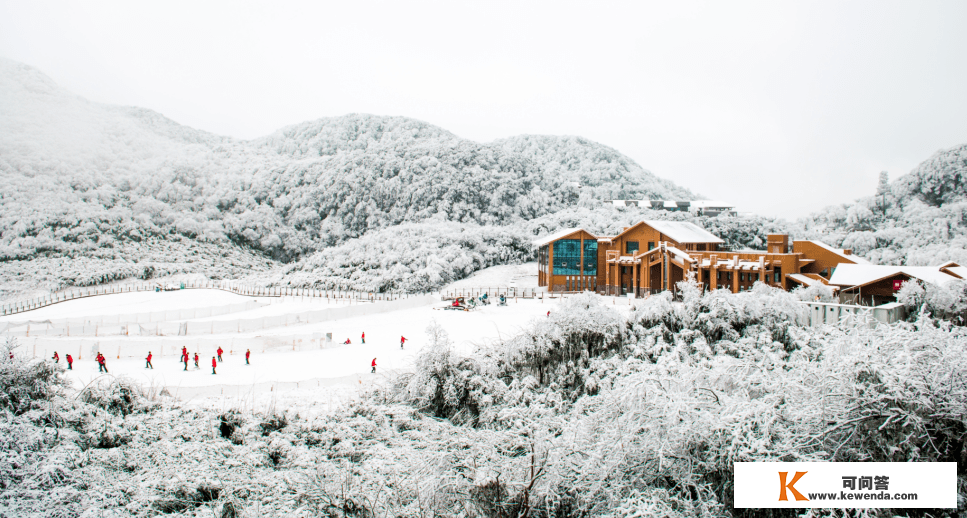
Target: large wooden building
point(652, 256)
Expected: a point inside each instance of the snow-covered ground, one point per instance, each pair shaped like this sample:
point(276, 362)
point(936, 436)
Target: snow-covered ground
point(503, 276)
point(304, 376)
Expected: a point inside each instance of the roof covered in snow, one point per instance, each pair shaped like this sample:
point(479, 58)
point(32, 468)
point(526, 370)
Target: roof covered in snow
point(842, 253)
point(802, 279)
point(684, 231)
point(560, 234)
point(862, 274)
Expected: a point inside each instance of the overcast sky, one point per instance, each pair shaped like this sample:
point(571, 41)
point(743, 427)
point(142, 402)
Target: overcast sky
point(778, 108)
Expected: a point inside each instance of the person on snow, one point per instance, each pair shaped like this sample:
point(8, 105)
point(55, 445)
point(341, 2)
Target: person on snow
point(220, 351)
point(374, 366)
point(548, 313)
point(402, 340)
point(347, 342)
point(214, 364)
point(196, 361)
point(363, 338)
point(148, 361)
point(456, 303)
point(70, 362)
point(503, 300)
point(184, 351)
point(247, 354)
point(55, 357)
point(184, 358)
point(101, 361)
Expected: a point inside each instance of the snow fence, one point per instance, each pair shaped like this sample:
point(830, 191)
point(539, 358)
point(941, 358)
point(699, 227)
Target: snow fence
point(137, 346)
point(20, 306)
point(212, 327)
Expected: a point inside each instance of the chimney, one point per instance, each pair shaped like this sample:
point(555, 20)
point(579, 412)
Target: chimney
point(847, 251)
point(777, 243)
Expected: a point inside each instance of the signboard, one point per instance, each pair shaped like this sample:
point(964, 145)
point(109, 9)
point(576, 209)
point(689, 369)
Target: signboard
point(897, 284)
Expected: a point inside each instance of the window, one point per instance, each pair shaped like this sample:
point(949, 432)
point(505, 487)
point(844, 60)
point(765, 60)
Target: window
point(590, 257)
point(631, 247)
point(567, 257)
point(651, 245)
point(777, 277)
point(718, 276)
point(741, 277)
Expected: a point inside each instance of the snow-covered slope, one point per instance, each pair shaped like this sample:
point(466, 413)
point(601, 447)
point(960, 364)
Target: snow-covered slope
point(80, 176)
point(919, 219)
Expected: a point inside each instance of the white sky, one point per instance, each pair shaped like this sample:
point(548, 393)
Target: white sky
point(780, 108)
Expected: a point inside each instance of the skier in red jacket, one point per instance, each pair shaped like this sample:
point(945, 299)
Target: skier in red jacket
point(402, 341)
point(220, 351)
point(184, 358)
point(70, 362)
point(184, 351)
point(102, 366)
point(56, 357)
point(214, 364)
point(363, 338)
point(148, 361)
point(247, 354)
point(196, 361)
point(374, 365)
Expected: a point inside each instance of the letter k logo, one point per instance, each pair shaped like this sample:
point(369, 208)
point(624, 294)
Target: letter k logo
point(782, 486)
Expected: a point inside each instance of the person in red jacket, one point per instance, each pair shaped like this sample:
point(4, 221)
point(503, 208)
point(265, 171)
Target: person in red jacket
point(374, 365)
point(101, 361)
point(548, 313)
point(184, 351)
point(247, 354)
point(148, 361)
point(363, 338)
point(214, 364)
point(402, 341)
point(347, 341)
point(70, 362)
point(184, 358)
point(56, 357)
point(220, 351)
point(196, 361)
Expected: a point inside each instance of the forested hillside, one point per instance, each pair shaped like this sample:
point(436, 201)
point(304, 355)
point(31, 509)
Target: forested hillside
point(919, 219)
point(109, 173)
point(82, 179)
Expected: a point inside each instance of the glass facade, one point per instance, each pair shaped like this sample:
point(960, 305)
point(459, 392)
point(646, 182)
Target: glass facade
point(567, 257)
point(590, 257)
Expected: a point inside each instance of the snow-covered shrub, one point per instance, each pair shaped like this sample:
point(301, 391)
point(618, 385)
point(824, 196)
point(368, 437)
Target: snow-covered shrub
point(557, 349)
point(229, 424)
point(26, 383)
point(947, 302)
point(273, 422)
point(816, 292)
point(719, 315)
point(120, 396)
point(448, 386)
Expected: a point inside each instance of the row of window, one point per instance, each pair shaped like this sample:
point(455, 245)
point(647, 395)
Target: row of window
point(632, 246)
point(567, 257)
point(747, 277)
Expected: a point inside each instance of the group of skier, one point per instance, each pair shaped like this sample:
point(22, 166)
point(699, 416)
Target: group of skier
point(102, 360)
point(185, 357)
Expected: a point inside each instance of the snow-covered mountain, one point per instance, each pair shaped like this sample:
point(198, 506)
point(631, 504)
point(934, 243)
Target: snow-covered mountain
point(919, 219)
point(80, 177)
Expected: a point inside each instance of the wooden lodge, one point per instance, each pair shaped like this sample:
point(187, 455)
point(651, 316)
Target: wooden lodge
point(652, 256)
